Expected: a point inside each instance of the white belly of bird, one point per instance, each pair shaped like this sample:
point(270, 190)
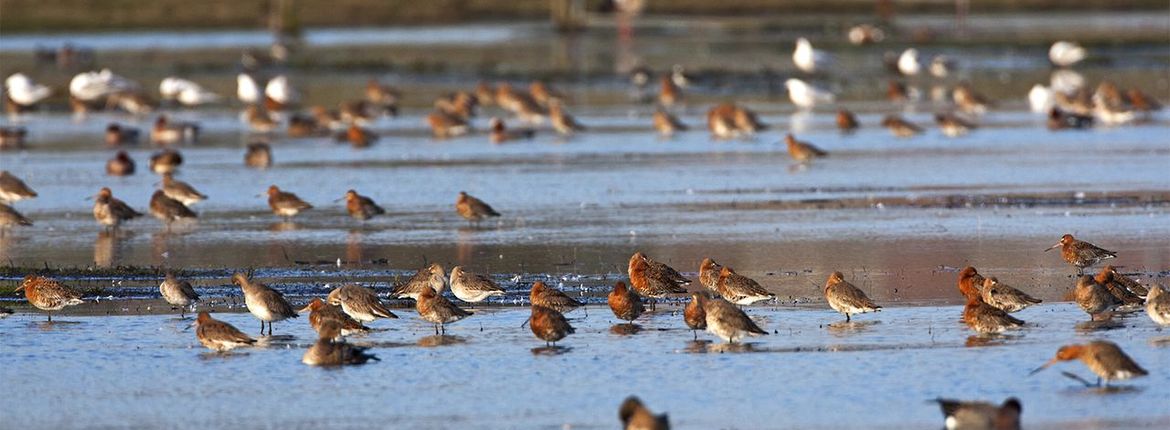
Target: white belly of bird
point(11, 197)
point(258, 309)
point(473, 296)
point(747, 300)
point(1162, 318)
point(174, 297)
point(288, 211)
point(357, 315)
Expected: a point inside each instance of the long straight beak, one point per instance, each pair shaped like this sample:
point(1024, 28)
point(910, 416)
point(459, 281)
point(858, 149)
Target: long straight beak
point(303, 310)
point(18, 288)
point(1045, 366)
point(91, 198)
point(188, 327)
point(338, 199)
point(526, 322)
point(1052, 247)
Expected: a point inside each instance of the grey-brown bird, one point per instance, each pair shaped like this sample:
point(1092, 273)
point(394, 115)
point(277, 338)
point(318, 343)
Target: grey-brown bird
point(445, 125)
point(472, 209)
point(321, 313)
point(1158, 305)
point(165, 161)
point(900, 127)
point(624, 302)
point(653, 279)
point(9, 217)
point(635, 416)
point(258, 155)
point(709, 274)
point(285, 204)
point(120, 165)
point(545, 296)
point(666, 124)
point(12, 189)
point(436, 309)
point(219, 336)
point(181, 191)
point(48, 294)
point(740, 289)
point(265, 303)
point(501, 133)
point(952, 125)
point(1005, 296)
point(694, 315)
point(1104, 358)
point(802, 151)
point(1120, 287)
point(846, 121)
point(984, 318)
point(728, 321)
point(110, 211)
point(331, 352)
point(549, 325)
point(431, 277)
point(168, 210)
point(119, 134)
point(1093, 298)
point(177, 293)
point(960, 415)
point(360, 303)
point(361, 207)
point(473, 287)
point(1081, 254)
point(845, 298)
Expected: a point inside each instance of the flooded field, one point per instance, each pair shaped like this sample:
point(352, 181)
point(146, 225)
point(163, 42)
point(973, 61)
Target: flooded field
point(898, 216)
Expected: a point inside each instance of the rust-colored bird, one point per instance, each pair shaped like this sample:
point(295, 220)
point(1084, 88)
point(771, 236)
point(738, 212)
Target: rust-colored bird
point(970, 282)
point(10, 217)
point(436, 309)
point(258, 155)
point(726, 121)
point(431, 277)
point(519, 103)
point(653, 279)
point(668, 93)
point(960, 415)
point(635, 416)
point(111, 212)
point(900, 127)
point(219, 336)
point(328, 351)
point(845, 298)
point(802, 151)
point(1093, 298)
point(472, 209)
point(987, 319)
point(168, 210)
point(624, 302)
point(48, 295)
point(500, 132)
point(382, 96)
point(166, 132)
point(1104, 358)
point(181, 191)
point(321, 313)
point(545, 296)
point(543, 94)
point(177, 293)
point(120, 165)
point(968, 100)
point(12, 189)
point(360, 303)
point(265, 303)
point(846, 121)
point(1120, 287)
point(666, 124)
point(694, 315)
point(285, 204)
point(740, 289)
point(444, 125)
point(1158, 305)
point(1081, 254)
point(709, 274)
point(561, 121)
point(165, 161)
point(1005, 297)
point(549, 325)
point(728, 321)
point(361, 207)
point(359, 137)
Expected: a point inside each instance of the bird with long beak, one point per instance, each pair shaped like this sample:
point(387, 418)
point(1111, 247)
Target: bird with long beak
point(1081, 254)
point(1104, 358)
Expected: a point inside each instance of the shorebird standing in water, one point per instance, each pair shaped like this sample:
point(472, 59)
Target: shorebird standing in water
point(1158, 305)
point(431, 277)
point(803, 152)
point(728, 321)
point(981, 415)
point(625, 303)
point(12, 189)
point(1081, 254)
point(809, 59)
point(845, 298)
point(361, 207)
point(653, 279)
point(1005, 297)
point(258, 155)
point(178, 293)
point(666, 124)
point(10, 217)
point(360, 303)
point(328, 351)
point(545, 296)
point(984, 318)
point(694, 315)
point(473, 287)
point(846, 121)
point(740, 289)
point(219, 336)
point(1102, 357)
point(472, 209)
point(168, 210)
point(266, 304)
point(635, 416)
point(436, 309)
point(285, 204)
point(321, 313)
point(120, 165)
point(48, 295)
point(1093, 298)
point(549, 325)
point(165, 161)
point(181, 191)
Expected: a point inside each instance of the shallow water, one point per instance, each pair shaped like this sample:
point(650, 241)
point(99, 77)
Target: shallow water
point(812, 372)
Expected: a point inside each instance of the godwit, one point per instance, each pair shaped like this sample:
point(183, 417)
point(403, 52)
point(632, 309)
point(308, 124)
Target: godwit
point(120, 165)
point(802, 152)
point(694, 315)
point(561, 121)
point(165, 161)
point(727, 321)
point(305, 126)
point(805, 95)
point(219, 336)
point(431, 277)
point(1080, 253)
point(635, 416)
point(653, 279)
point(500, 133)
point(519, 103)
point(900, 127)
point(331, 352)
point(1005, 297)
point(383, 96)
point(625, 303)
point(473, 209)
point(549, 325)
point(266, 304)
point(952, 125)
point(444, 125)
point(845, 298)
point(459, 106)
point(485, 94)
point(357, 112)
point(361, 207)
point(679, 75)
point(666, 124)
point(1061, 120)
point(1120, 287)
point(808, 59)
point(897, 92)
point(168, 210)
point(545, 296)
point(436, 309)
point(12, 189)
point(1093, 298)
point(941, 66)
point(721, 121)
point(1064, 53)
point(1102, 357)
point(177, 293)
point(259, 120)
point(1142, 102)
point(846, 121)
point(668, 92)
point(740, 289)
point(968, 100)
point(111, 212)
point(258, 155)
point(962, 415)
point(360, 303)
point(12, 137)
point(543, 94)
point(1158, 305)
point(285, 204)
point(472, 287)
point(118, 135)
point(359, 137)
point(48, 295)
point(166, 132)
point(709, 274)
point(10, 217)
point(181, 191)
point(321, 313)
point(987, 319)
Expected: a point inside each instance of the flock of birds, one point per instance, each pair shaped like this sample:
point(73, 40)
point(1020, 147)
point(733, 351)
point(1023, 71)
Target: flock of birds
point(346, 310)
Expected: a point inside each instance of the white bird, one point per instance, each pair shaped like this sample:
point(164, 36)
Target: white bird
point(1066, 81)
point(679, 75)
point(1041, 99)
point(89, 86)
point(279, 90)
point(908, 62)
point(805, 95)
point(247, 90)
point(186, 92)
point(810, 60)
point(1064, 53)
point(23, 91)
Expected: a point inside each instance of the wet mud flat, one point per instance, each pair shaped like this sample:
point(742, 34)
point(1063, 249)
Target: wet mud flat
point(812, 371)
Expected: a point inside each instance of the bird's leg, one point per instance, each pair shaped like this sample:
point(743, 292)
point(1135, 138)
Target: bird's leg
point(262, 327)
point(50, 317)
point(696, 333)
point(846, 317)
